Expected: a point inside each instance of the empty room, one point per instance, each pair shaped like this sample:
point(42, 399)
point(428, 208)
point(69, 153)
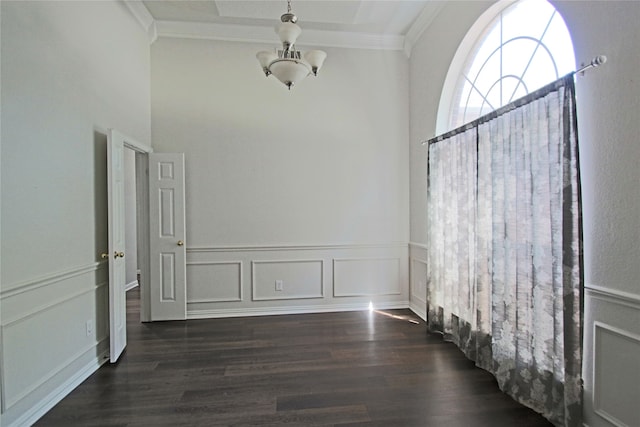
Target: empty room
point(314, 212)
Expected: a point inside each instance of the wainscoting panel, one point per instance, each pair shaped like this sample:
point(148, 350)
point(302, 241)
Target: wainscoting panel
point(312, 278)
point(615, 371)
point(612, 358)
point(418, 289)
point(286, 279)
point(40, 367)
point(366, 277)
point(214, 281)
point(418, 278)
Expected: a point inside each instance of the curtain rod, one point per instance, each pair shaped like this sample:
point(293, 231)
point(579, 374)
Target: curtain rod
point(595, 62)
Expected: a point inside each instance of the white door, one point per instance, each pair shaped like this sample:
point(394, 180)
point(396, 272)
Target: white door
point(117, 295)
point(168, 290)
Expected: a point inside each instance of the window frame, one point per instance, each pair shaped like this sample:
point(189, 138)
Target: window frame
point(466, 52)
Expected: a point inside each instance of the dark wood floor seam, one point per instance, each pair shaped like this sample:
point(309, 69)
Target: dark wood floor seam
point(329, 369)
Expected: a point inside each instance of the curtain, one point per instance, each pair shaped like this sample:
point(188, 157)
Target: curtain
point(505, 249)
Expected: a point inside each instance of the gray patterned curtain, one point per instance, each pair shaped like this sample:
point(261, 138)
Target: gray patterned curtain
point(505, 248)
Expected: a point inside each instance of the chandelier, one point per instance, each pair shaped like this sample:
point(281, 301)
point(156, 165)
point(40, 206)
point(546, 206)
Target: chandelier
point(289, 65)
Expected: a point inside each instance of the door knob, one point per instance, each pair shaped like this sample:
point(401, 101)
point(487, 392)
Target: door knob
point(117, 254)
point(104, 256)
point(180, 243)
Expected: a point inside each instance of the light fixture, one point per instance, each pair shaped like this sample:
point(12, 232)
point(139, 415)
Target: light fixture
point(289, 65)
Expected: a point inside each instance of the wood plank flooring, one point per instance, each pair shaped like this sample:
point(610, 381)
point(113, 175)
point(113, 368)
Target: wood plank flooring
point(340, 369)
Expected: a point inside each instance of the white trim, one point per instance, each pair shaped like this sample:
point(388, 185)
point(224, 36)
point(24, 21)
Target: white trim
point(421, 312)
point(255, 34)
point(143, 16)
point(460, 57)
point(419, 245)
point(285, 261)
point(298, 247)
point(217, 300)
point(423, 261)
point(57, 370)
point(131, 285)
point(613, 295)
point(43, 406)
point(422, 22)
point(595, 396)
point(129, 142)
point(416, 299)
point(413, 298)
point(50, 279)
point(49, 305)
point(142, 233)
point(348, 295)
point(274, 311)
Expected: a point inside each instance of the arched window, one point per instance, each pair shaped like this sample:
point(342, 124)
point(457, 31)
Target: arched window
point(524, 47)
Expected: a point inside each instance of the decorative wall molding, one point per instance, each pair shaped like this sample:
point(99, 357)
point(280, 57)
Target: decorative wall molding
point(420, 311)
point(285, 296)
point(50, 279)
point(418, 303)
point(10, 401)
point(49, 305)
point(217, 300)
point(422, 22)
point(307, 287)
point(144, 18)
point(419, 298)
point(296, 247)
point(254, 34)
point(615, 296)
point(418, 245)
point(298, 309)
point(337, 261)
point(36, 411)
point(262, 35)
point(599, 331)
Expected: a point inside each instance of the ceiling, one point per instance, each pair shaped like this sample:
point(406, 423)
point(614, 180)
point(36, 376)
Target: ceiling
point(382, 24)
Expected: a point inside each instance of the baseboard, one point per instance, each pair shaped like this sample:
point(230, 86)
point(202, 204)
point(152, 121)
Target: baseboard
point(52, 399)
point(275, 311)
point(131, 285)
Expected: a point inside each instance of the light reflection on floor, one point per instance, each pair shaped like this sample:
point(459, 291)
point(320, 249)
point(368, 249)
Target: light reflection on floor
point(393, 316)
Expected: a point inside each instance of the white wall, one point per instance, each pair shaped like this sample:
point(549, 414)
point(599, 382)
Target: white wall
point(608, 126)
point(609, 150)
point(430, 59)
point(70, 70)
point(323, 168)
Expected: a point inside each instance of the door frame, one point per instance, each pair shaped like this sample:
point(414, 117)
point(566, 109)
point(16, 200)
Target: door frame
point(141, 151)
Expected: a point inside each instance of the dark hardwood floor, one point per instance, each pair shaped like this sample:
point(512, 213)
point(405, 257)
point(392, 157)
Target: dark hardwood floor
point(347, 369)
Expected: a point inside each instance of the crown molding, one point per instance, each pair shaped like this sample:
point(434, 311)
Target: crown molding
point(144, 18)
point(422, 22)
point(253, 34)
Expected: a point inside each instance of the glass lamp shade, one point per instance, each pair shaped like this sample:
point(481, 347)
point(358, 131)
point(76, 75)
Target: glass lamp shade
point(265, 58)
point(288, 33)
point(316, 59)
point(289, 71)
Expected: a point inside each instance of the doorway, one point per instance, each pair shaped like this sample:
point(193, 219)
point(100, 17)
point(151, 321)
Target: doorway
point(136, 220)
